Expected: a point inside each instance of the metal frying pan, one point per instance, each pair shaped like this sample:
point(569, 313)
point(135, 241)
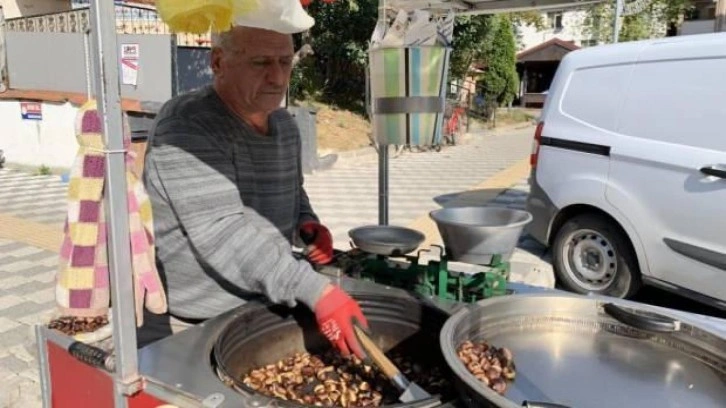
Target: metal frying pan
point(386, 240)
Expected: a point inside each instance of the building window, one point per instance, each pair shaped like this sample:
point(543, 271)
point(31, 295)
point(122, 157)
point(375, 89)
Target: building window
point(589, 42)
point(555, 20)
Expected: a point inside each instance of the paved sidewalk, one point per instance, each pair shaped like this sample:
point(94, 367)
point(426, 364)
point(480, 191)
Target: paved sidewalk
point(347, 196)
point(32, 210)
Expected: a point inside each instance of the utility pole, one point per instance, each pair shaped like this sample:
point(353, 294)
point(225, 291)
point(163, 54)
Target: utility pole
point(720, 22)
point(3, 56)
point(617, 22)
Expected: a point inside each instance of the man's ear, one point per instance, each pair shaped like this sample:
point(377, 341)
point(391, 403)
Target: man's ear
point(215, 60)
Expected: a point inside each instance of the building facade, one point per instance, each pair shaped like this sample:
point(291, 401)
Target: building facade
point(701, 19)
point(565, 25)
point(25, 8)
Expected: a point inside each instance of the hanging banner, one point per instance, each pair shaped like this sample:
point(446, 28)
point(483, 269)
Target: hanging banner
point(31, 110)
point(129, 64)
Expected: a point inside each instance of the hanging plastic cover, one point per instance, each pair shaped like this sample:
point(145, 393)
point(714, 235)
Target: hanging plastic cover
point(409, 63)
point(201, 16)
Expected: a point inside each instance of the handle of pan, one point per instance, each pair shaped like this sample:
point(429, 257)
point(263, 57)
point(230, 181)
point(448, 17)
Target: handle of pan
point(659, 324)
point(536, 404)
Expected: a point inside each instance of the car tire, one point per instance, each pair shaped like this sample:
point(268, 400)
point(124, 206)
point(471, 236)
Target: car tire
point(592, 254)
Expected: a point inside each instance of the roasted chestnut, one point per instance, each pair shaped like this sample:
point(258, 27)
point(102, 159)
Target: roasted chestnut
point(490, 365)
point(330, 380)
point(72, 325)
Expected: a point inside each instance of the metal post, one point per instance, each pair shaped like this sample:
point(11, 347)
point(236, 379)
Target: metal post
point(108, 96)
point(720, 22)
point(383, 184)
point(43, 365)
point(89, 64)
point(4, 83)
point(617, 23)
point(173, 43)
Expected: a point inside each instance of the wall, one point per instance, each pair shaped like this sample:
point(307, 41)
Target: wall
point(572, 30)
point(34, 61)
point(21, 8)
point(697, 27)
point(154, 82)
point(50, 141)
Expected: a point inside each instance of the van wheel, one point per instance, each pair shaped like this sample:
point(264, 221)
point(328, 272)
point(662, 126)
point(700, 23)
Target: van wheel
point(593, 255)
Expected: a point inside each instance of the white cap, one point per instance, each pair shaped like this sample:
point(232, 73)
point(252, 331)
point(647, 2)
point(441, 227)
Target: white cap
point(283, 16)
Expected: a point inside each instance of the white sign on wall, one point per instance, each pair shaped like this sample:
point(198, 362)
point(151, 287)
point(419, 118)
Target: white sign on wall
point(129, 64)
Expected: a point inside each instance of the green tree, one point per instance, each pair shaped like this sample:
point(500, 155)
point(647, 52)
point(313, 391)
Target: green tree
point(471, 35)
point(500, 80)
point(651, 22)
point(339, 38)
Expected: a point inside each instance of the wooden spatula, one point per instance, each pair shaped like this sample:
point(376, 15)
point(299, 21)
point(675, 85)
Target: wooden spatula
point(410, 391)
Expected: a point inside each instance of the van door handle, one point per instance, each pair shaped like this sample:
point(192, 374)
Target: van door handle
point(714, 171)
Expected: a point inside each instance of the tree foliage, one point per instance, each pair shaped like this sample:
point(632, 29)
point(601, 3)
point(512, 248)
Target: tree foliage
point(336, 72)
point(339, 38)
point(500, 80)
point(652, 22)
point(471, 35)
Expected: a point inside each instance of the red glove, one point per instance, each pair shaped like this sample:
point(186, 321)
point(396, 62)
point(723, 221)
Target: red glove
point(319, 241)
point(336, 313)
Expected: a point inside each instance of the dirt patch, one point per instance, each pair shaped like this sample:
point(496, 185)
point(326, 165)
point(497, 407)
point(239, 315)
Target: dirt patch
point(340, 130)
point(508, 117)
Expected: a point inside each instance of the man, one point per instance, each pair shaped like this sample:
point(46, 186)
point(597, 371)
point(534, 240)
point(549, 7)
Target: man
point(224, 177)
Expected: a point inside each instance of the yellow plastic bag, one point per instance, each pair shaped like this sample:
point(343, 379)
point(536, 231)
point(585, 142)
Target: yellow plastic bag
point(199, 16)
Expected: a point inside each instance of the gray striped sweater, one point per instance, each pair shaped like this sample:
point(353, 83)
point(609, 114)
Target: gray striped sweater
point(227, 202)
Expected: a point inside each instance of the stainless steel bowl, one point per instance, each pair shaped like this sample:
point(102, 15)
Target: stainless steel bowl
point(387, 240)
point(596, 352)
point(475, 234)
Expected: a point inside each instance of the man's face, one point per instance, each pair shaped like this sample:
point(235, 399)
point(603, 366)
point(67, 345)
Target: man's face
point(254, 68)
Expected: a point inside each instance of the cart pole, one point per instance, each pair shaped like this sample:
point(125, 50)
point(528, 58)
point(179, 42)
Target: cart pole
point(4, 83)
point(108, 97)
point(383, 184)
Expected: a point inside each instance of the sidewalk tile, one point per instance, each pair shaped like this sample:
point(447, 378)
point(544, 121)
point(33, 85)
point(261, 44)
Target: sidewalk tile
point(9, 301)
point(7, 324)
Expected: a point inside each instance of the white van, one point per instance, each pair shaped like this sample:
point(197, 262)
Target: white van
point(629, 168)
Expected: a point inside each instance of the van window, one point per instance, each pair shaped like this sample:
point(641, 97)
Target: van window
point(680, 101)
point(594, 95)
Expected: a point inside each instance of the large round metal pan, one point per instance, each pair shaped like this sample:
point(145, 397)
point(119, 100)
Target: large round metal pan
point(591, 352)
point(386, 240)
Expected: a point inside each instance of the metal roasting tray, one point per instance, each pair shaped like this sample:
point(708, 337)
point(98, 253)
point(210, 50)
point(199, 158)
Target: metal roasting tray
point(591, 352)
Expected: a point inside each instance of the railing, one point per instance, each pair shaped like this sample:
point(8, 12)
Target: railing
point(129, 20)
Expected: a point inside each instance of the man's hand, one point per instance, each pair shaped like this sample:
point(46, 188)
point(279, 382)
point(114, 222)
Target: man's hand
point(336, 312)
point(319, 242)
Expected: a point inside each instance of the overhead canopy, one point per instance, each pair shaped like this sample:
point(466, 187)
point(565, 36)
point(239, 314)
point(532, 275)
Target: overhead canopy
point(473, 7)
